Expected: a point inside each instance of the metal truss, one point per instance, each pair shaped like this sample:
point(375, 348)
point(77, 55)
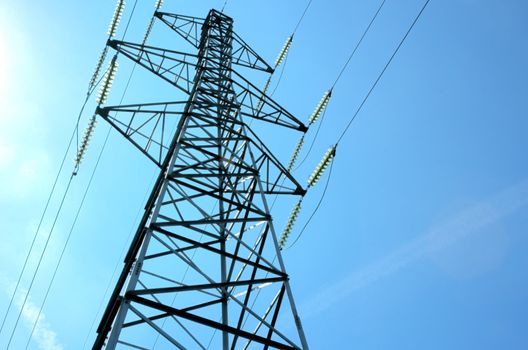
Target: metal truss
point(206, 245)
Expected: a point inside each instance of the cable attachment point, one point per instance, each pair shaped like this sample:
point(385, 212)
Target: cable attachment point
point(116, 18)
point(284, 51)
point(319, 109)
point(289, 224)
point(107, 82)
point(321, 167)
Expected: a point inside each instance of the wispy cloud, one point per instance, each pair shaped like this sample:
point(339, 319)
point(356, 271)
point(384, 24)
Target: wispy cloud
point(44, 336)
point(467, 222)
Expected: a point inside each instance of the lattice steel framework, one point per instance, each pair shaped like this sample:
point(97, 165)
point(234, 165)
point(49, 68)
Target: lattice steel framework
point(206, 246)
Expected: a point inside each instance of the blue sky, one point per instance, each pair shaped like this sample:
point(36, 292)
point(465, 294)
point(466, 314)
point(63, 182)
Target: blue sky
point(420, 240)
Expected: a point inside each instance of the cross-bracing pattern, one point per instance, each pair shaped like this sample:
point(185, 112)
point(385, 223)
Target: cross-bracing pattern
point(206, 246)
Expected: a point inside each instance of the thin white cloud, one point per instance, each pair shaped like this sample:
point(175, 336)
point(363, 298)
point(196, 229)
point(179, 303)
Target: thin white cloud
point(467, 222)
point(44, 336)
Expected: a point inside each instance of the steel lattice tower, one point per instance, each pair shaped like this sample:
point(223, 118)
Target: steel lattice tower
point(206, 246)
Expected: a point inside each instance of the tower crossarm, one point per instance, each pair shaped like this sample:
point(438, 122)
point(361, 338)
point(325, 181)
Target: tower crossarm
point(189, 27)
point(149, 126)
point(177, 68)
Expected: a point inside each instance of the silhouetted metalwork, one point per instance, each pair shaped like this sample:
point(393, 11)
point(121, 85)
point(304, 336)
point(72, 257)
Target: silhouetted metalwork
point(206, 246)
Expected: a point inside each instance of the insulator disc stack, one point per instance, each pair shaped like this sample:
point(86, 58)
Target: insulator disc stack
point(116, 18)
point(98, 67)
point(264, 92)
point(149, 29)
point(284, 51)
point(85, 141)
point(290, 223)
point(321, 106)
point(322, 166)
point(107, 82)
point(295, 154)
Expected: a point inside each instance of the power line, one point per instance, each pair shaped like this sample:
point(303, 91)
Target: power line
point(40, 261)
point(280, 75)
point(356, 114)
point(302, 16)
point(59, 210)
point(48, 201)
point(316, 207)
point(358, 43)
point(383, 71)
point(36, 233)
point(365, 32)
point(68, 238)
point(77, 214)
point(287, 52)
point(313, 140)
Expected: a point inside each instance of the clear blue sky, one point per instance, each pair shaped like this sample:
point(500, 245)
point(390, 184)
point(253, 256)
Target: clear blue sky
point(420, 242)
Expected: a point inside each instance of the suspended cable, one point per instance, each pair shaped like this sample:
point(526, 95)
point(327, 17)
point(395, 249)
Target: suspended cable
point(36, 233)
point(367, 29)
point(282, 57)
point(103, 93)
point(281, 74)
point(35, 322)
point(302, 16)
point(321, 107)
point(41, 256)
point(68, 147)
point(383, 71)
point(39, 262)
point(316, 208)
point(158, 5)
point(314, 177)
point(132, 15)
point(313, 141)
point(47, 240)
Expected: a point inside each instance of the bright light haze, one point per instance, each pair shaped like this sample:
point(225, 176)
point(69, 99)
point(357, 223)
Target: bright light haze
point(421, 240)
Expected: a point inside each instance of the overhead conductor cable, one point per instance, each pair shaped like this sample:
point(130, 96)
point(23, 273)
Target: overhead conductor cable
point(317, 174)
point(85, 193)
point(312, 181)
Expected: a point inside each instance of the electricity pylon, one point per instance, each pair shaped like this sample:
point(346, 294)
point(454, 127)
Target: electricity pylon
point(206, 247)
